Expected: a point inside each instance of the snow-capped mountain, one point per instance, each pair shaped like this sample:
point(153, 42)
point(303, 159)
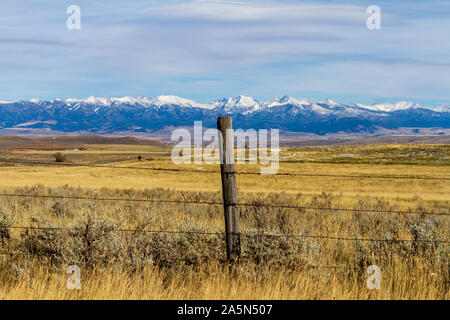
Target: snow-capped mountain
point(156, 101)
point(241, 104)
point(401, 105)
point(141, 114)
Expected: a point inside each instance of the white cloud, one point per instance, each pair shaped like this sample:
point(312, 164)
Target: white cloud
point(223, 48)
point(248, 11)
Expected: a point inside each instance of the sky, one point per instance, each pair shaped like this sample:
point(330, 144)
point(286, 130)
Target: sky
point(207, 50)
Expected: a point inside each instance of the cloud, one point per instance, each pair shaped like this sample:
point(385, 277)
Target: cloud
point(251, 11)
point(206, 49)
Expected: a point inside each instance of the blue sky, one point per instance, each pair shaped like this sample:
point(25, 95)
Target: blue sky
point(206, 50)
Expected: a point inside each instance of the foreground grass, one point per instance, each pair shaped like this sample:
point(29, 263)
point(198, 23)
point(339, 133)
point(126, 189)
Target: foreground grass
point(216, 282)
point(137, 264)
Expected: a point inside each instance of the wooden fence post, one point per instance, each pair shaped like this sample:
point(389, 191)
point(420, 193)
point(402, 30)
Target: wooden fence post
point(229, 190)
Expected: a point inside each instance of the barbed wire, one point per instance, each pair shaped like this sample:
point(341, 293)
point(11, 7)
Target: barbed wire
point(340, 209)
point(110, 199)
point(18, 254)
point(279, 235)
point(120, 230)
point(309, 266)
point(375, 162)
point(221, 203)
point(68, 164)
point(362, 176)
point(244, 234)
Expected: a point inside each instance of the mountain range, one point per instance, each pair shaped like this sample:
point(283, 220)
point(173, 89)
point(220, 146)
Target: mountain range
point(95, 115)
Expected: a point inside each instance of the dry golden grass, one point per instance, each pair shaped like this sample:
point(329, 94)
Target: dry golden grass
point(136, 266)
point(215, 282)
point(96, 178)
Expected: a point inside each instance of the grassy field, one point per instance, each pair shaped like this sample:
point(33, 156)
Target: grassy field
point(119, 263)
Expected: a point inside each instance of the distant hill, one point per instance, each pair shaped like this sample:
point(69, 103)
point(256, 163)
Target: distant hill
point(365, 141)
point(72, 140)
point(62, 142)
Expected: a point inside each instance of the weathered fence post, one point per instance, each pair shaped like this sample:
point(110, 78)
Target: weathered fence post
point(226, 148)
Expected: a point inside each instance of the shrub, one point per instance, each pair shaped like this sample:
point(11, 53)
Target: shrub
point(60, 157)
point(89, 243)
point(5, 225)
point(62, 209)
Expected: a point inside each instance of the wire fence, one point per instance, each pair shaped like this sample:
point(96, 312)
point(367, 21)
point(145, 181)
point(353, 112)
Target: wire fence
point(244, 234)
point(359, 176)
point(256, 205)
point(308, 266)
point(217, 203)
point(120, 230)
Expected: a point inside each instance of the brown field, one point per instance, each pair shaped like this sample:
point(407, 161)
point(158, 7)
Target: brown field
point(120, 261)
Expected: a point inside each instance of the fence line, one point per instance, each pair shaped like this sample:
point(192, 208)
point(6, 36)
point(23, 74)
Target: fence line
point(67, 164)
point(280, 235)
point(341, 209)
point(120, 230)
point(362, 176)
point(362, 162)
point(244, 233)
point(221, 203)
point(230, 203)
point(18, 254)
point(309, 266)
point(108, 199)
point(11, 195)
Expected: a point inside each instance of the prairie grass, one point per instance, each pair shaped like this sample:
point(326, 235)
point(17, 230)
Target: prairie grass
point(216, 282)
point(95, 239)
point(122, 258)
